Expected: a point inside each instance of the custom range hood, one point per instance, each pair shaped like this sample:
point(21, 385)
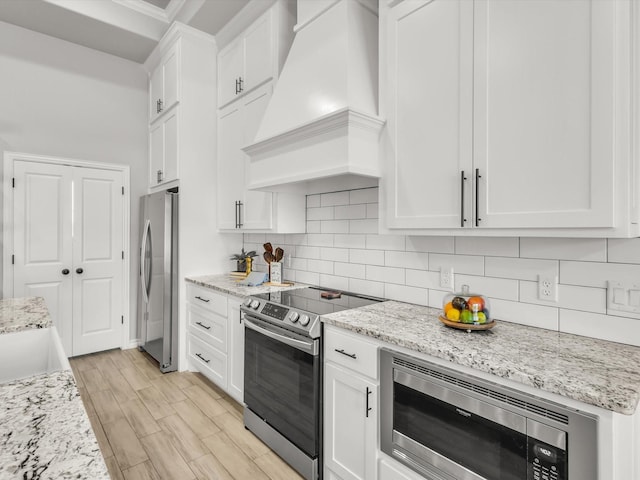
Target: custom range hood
point(320, 130)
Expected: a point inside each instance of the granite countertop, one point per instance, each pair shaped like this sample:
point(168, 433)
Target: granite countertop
point(45, 432)
point(592, 371)
point(18, 314)
point(225, 283)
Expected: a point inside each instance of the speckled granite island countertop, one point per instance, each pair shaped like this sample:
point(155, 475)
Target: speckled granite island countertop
point(18, 314)
point(44, 429)
point(592, 371)
point(225, 283)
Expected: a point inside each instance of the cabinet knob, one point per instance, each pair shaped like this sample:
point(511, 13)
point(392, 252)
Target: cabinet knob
point(65, 271)
point(79, 270)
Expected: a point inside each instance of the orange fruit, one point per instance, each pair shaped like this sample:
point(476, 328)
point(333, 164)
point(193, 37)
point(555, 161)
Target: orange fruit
point(447, 307)
point(476, 304)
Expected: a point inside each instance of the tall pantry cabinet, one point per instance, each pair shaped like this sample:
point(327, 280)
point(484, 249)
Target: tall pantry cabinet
point(510, 118)
point(248, 68)
point(182, 141)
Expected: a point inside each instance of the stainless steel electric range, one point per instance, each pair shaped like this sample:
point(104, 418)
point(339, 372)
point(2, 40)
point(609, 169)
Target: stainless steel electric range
point(283, 370)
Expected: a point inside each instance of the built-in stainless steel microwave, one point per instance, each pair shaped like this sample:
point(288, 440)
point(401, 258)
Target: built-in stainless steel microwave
point(450, 426)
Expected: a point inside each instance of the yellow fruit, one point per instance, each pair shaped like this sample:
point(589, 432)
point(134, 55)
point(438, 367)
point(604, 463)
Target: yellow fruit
point(447, 307)
point(482, 318)
point(453, 314)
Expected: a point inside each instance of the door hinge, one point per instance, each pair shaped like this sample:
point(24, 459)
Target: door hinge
point(13, 182)
point(122, 319)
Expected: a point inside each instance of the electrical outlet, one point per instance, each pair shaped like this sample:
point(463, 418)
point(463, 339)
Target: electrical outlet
point(446, 278)
point(548, 288)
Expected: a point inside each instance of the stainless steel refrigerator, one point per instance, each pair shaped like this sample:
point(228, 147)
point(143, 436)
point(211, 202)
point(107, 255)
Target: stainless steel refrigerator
point(158, 286)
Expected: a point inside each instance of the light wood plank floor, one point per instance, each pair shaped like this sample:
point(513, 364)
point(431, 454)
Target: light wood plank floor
point(173, 426)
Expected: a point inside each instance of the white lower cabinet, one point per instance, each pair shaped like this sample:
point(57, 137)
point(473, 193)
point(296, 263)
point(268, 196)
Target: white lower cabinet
point(350, 407)
point(216, 338)
point(390, 469)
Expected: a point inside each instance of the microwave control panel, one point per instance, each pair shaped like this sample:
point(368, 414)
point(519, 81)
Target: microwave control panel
point(546, 462)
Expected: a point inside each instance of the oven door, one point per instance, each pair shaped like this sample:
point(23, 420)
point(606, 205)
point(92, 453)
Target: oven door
point(282, 382)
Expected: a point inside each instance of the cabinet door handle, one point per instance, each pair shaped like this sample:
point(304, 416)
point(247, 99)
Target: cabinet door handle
point(478, 177)
point(159, 176)
point(202, 358)
point(369, 392)
point(462, 180)
point(160, 108)
point(240, 214)
point(350, 355)
point(206, 300)
point(203, 325)
point(237, 85)
point(241, 85)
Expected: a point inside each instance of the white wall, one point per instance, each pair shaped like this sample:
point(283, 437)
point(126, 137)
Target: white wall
point(343, 250)
point(61, 99)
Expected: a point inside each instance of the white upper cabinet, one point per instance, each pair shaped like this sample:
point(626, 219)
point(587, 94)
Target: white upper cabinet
point(255, 56)
point(509, 118)
point(163, 83)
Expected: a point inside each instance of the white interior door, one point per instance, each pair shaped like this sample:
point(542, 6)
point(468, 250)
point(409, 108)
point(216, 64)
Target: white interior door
point(97, 259)
point(42, 240)
point(68, 244)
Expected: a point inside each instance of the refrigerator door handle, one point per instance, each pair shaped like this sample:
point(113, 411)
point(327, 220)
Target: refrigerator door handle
point(143, 261)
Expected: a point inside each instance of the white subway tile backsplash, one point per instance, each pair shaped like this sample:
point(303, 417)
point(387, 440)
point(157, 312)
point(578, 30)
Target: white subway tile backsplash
point(422, 278)
point(322, 213)
point(469, 264)
point(313, 201)
point(349, 241)
point(415, 260)
point(368, 257)
point(430, 244)
point(502, 288)
point(334, 198)
point(385, 274)
point(606, 327)
point(350, 212)
point(402, 293)
point(311, 278)
point(623, 250)
point(334, 254)
point(525, 313)
point(334, 226)
point(334, 282)
point(306, 251)
point(366, 287)
point(584, 249)
point(259, 238)
point(320, 266)
point(368, 225)
point(320, 240)
point(351, 270)
point(313, 226)
point(491, 246)
point(592, 274)
point(385, 242)
point(363, 195)
point(519, 268)
point(587, 299)
point(342, 249)
point(373, 210)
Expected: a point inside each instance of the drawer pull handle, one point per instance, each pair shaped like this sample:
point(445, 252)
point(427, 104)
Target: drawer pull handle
point(202, 358)
point(203, 325)
point(369, 392)
point(206, 300)
point(350, 355)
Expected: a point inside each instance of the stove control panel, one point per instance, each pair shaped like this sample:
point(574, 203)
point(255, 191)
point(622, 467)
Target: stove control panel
point(274, 311)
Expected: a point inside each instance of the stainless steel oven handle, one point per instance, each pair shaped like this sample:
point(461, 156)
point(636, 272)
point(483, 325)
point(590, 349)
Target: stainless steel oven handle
point(310, 347)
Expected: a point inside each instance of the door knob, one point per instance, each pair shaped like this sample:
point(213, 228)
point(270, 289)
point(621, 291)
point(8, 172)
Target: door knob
point(65, 271)
point(79, 270)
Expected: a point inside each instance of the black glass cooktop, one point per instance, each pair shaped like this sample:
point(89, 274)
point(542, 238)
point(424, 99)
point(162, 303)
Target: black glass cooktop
point(319, 300)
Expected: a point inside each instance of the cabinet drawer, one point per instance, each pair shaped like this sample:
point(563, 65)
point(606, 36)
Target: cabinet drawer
point(208, 326)
point(208, 299)
point(208, 361)
point(351, 350)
